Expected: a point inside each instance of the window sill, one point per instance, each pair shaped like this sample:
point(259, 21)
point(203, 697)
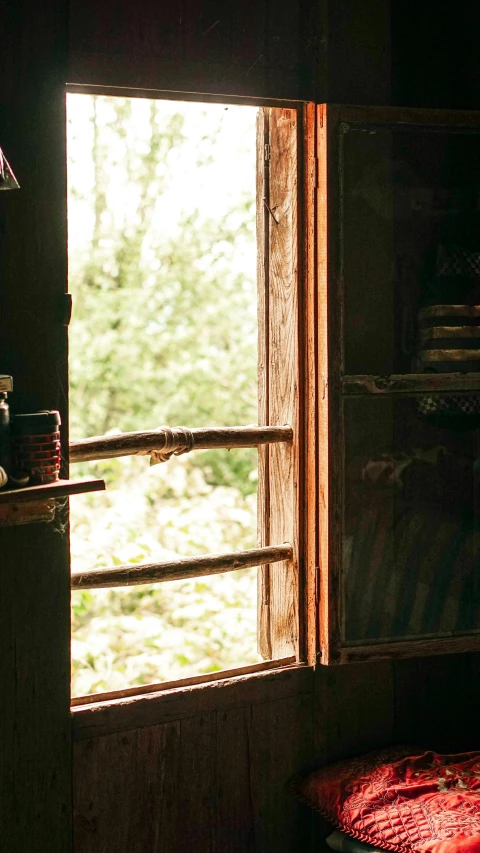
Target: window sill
point(95, 716)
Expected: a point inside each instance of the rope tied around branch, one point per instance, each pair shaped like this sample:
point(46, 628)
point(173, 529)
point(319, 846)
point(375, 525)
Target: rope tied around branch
point(177, 440)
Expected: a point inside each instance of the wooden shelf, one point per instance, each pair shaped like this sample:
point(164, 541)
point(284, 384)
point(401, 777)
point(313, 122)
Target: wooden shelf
point(59, 489)
point(410, 384)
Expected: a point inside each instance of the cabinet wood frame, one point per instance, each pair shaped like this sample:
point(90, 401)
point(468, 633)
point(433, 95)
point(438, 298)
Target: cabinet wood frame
point(337, 386)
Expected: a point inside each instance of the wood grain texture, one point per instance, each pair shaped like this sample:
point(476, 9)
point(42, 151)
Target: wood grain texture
point(410, 383)
point(132, 443)
point(353, 713)
point(35, 775)
point(188, 567)
point(179, 683)
point(263, 389)
point(309, 335)
point(281, 744)
point(284, 376)
point(58, 489)
point(354, 710)
point(145, 710)
point(337, 270)
point(127, 789)
point(214, 781)
point(207, 46)
point(410, 648)
point(27, 513)
point(279, 373)
point(235, 818)
point(407, 116)
point(154, 77)
point(330, 423)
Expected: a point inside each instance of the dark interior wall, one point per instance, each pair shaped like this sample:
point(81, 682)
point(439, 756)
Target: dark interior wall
point(205, 777)
point(260, 48)
point(436, 63)
point(353, 52)
point(435, 56)
point(35, 747)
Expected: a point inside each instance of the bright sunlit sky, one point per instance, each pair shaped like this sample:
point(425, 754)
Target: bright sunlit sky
point(214, 188)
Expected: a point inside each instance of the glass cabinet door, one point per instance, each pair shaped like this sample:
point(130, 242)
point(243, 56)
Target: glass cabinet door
point(410, 248)
point(399, 196)
point(411, 527)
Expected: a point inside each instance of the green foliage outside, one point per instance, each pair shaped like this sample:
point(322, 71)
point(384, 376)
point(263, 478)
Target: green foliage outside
point(162, 253)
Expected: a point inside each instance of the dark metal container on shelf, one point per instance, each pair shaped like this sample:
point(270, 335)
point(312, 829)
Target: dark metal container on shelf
point(5, 443)
point(36, 445)
point(6, 385)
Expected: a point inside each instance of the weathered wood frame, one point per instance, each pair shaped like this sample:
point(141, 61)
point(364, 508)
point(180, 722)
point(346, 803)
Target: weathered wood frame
point(132, 443)
point(287, 435)
point(186, 567)
point(287, 377)
point(339, 386)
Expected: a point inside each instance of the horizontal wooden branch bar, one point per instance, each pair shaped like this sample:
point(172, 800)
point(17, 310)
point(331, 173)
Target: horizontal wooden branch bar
point(187, 567)
point(409, 384)
point(131, 443)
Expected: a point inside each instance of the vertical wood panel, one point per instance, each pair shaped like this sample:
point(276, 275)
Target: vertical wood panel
point(35, 760)
point(263, 491)
point(330, 455)
point(214, 782)
point(282, 385)
point(196, 806)
point(353, 709)
point(127, 786)
point(309, 329)
point(235, 809)
point(282, 740)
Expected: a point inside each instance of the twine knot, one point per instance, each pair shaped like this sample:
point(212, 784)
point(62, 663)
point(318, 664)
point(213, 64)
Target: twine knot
point(177, 440)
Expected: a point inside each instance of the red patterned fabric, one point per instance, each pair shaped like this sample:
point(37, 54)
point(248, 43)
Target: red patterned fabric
point(402, 801)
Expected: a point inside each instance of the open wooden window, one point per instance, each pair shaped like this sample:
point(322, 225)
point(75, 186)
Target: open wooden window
point(399, 308)
point(369, 358)
point(285, 181)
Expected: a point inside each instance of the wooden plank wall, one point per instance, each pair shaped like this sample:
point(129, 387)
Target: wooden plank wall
point(261, 48)
point(210, 774)
point(211, 777)
point(35, 748)
point(208, 777)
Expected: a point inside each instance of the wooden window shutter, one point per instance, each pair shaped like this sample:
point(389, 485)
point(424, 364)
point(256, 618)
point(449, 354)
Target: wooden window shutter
point(279, 518)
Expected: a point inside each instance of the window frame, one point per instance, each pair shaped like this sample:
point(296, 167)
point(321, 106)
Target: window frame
point(297, 521)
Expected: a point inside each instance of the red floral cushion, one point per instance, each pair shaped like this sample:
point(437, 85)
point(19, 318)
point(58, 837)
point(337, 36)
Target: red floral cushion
point(401, 800)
